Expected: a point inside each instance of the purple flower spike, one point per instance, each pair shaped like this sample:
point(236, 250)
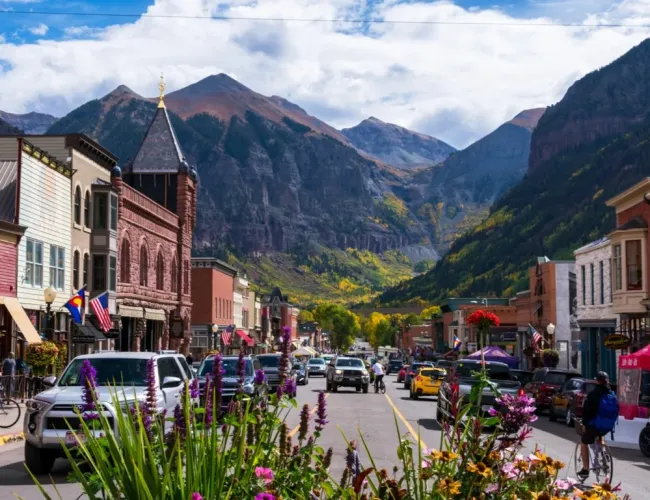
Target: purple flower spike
point(264, 496)
point(241, 364)
point(290, 387)
point(260, 377)
point(179, 422)
point(194, 388)
point(280, 392)
point(88, 376)
point(208, 401)
point(217, 381)
point(321, 412)
point(152, 404)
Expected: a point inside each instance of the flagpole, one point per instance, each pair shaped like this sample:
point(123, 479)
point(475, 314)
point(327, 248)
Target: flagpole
point(83, 312)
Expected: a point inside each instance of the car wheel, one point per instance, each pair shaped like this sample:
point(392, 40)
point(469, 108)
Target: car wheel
point(551, 414)
point(37, 460)
point(406, 386)
point(334, 387)
point(365, 388)
point(568, 419)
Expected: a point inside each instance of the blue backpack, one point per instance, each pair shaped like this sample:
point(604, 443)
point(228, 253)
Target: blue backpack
point(607, 415)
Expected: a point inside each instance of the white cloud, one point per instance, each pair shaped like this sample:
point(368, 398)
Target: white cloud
point(39, 30)
point(457, 82)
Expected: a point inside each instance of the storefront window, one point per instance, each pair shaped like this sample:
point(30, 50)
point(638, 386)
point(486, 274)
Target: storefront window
point(99, 272)
point(114, 213)
point(634, 271)
point(617, 268)
point(593, 284)
point(584, 285)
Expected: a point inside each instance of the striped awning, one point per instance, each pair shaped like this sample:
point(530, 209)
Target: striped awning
point(131, 311)
point(21, 319)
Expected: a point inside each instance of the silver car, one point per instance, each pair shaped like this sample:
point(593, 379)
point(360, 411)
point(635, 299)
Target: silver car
point(317, 367)
point(51, 413)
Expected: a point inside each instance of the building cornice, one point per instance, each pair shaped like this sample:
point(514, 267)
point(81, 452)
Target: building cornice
point(630, 197)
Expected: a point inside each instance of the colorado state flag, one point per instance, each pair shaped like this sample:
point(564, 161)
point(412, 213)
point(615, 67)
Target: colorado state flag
point(76, 305)
point(457, 343)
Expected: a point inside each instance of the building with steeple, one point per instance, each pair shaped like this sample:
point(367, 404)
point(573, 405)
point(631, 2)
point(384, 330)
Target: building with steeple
point(157, 214)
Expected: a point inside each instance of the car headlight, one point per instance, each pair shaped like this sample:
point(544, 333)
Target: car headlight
point(339, 372)
point(364, 372)
point(34, 405)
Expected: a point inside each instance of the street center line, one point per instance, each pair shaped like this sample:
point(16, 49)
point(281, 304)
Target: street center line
point(313, 410)
point(408, 426)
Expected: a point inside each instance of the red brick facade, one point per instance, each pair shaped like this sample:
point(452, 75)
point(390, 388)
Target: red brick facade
point(212, 293)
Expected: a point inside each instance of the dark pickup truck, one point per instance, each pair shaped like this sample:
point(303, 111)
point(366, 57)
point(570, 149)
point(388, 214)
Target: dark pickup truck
point(460, 380)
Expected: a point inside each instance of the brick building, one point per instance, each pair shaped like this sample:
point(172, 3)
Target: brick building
point(213, 282)
point(156, 201)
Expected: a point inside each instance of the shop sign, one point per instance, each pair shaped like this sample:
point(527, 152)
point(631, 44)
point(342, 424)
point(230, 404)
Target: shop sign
point(617, 341)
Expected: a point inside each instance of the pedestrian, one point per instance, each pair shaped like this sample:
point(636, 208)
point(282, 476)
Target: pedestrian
point(8, 373)
point(190, 359)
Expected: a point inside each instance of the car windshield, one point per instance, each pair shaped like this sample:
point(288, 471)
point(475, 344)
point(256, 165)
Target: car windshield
point(317, 361)
point(269, 361)
point(356, 363)
point(494, 372)
point(430, 373)
point(110, 371)
point(229, 367)
point(416, 366)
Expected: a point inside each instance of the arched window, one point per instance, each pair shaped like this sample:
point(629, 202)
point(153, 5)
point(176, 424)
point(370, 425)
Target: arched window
point(174, 286)
point(77, 205)
point(85, 270)
point(160, 271)
point(87, 209)
point(186, 278)
point(125, 262)
point(75, 270)
point(144, 265)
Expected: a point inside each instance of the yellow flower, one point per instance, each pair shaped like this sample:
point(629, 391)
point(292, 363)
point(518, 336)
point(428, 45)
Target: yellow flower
point(587, 495)
point(480, 468)
point(449, 486)
point(605, 490)
point(542, 495)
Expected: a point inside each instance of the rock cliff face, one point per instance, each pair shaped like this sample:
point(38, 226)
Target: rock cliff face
point(272, 178)
point(454, 196)
point(396, 145)
point(6, 128)
point(29, 123)
point(603, 104)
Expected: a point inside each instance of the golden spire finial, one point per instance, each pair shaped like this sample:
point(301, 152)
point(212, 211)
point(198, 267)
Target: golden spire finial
point(161, 87)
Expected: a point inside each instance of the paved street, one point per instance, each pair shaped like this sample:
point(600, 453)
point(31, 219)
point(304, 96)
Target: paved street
point(373, 414)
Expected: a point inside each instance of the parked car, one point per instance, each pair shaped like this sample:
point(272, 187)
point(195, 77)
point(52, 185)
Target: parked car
point(412, 372)
point(427, 382)
point(445, 364)
point(401, 375)
point(347, 372)
point(271, 366)
point(394, 365)
point(231, 379)
point(317, 366)
point(460, 380)
point(568, 400)
point(302, 375)
point(523, 376)
point(545, 382)
point(50, 414)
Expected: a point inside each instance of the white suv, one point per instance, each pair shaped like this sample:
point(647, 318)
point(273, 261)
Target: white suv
point(45, 424)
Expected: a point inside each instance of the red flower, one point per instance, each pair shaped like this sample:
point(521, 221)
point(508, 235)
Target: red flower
point(483, 319)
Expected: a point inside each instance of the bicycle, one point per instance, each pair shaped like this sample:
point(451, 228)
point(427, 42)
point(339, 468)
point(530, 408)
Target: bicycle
point(380, 387)
point(601, 461)
point(8, 408)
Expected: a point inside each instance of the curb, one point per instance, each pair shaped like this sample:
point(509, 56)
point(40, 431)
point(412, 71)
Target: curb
point(11, 438)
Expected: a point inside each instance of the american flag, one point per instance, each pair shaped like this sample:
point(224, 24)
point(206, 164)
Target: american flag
point(99, 306)
point(226, 336)
point(536, 336)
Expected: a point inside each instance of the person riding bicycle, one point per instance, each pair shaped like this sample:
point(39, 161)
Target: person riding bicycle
point(378, 370)
point(599, 417)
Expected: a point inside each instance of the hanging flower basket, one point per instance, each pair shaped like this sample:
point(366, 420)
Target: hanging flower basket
point(41, 357)
point(550, 358)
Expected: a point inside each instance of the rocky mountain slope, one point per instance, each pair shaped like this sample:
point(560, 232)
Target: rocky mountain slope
point(29, 123)
point(396, 145)
point(454, 196)
point(7, 128)
point(590, 146)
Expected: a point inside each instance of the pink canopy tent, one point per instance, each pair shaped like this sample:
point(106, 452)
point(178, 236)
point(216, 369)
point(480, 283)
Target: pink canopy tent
point(495, 353)
point(630, 367)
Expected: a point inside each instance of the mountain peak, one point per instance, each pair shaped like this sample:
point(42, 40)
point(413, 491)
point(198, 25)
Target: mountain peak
point(122, 90)
point(375, 120)
point(216, 83)
point(528, 118)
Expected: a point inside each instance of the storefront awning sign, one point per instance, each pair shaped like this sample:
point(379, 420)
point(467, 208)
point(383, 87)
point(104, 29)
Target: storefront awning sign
point(617, 341)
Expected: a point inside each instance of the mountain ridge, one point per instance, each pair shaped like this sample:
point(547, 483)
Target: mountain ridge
point(29, 123)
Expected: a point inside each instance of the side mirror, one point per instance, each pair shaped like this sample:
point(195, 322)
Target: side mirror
point(49, 381)
point(171, 382)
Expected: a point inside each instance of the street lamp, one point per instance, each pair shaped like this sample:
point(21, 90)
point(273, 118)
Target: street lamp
point(215, 336)
point(49, 294)
point(550, 329)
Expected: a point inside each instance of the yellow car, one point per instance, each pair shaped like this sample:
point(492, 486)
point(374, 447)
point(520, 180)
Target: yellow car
point(427, 382)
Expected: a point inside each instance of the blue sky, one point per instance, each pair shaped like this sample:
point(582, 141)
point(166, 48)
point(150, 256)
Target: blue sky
point(455, 82)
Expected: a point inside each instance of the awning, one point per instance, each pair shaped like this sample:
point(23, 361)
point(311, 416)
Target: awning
point(245, 338)
point(21, 319)
point(154, 314)
point(86, 334)
point(131, 311)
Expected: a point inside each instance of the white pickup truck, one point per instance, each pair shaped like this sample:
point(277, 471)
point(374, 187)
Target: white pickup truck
point(50, 414)
point(460, 380)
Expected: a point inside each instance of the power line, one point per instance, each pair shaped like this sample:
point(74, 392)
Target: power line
point(320, 20)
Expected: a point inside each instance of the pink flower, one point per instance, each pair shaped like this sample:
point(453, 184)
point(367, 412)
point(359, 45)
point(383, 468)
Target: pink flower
point(196, 496)
point(562, 484)
point(264, 473)
point(491, 488)
point(264, 496)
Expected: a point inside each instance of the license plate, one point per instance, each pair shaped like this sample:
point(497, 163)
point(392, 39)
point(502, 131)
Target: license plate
point(72, 438)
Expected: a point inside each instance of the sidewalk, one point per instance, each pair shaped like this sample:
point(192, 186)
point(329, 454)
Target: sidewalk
point(15, 432)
